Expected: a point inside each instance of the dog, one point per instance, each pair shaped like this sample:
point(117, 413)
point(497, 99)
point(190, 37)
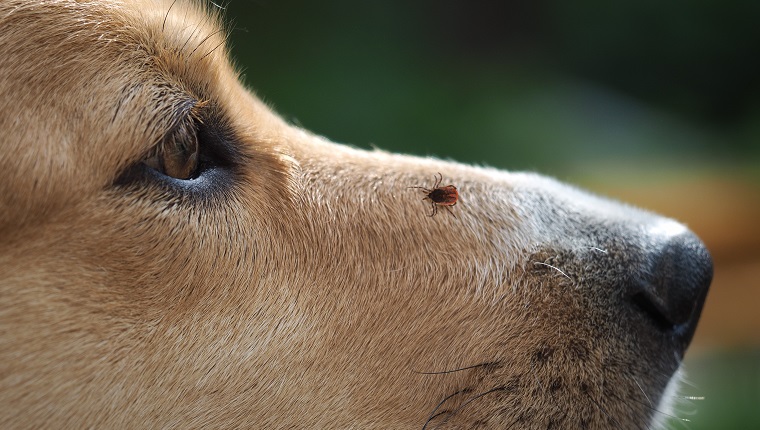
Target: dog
point(175, 255)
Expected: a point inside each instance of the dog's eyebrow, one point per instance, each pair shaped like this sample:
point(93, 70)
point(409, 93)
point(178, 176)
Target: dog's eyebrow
point(194, 31)
point(183, 111)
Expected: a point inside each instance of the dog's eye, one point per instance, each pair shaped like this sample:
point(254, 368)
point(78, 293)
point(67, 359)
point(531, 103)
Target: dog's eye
point(177, 156)
point(196, 155)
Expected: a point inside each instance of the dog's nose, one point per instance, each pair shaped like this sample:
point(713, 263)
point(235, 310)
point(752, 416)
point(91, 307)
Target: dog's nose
point(672, 292)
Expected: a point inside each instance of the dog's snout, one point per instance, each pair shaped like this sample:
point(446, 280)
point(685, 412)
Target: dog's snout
point(673, 291)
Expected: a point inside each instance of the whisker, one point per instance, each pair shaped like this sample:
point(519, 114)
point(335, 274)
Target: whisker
point(690, 397)
point(163, 26)
point(192, 36)
point(205, 22)
point(433, 414)
point(555, 268)
point(675, 417)
point(204, 41)
point(443, 372)
point(470, 400)
point(215, 48)
point(642, 392)
point(605, 412)
point(654, 409)
point(591, 248)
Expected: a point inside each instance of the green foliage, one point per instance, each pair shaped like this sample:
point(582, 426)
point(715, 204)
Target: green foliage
point(543, 85)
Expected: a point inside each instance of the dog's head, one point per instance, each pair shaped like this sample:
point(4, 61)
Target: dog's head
point(174, 254)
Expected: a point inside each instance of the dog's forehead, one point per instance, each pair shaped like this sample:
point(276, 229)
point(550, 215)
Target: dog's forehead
point(188, 38)
point(183, 28)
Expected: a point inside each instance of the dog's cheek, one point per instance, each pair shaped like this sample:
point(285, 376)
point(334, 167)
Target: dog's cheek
point(159, 255)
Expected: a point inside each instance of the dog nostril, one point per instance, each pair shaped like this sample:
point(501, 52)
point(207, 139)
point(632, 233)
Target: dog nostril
point(649, 306)
point(673, 293)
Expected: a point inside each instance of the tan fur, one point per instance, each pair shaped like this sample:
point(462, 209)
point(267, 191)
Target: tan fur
point(313, 291)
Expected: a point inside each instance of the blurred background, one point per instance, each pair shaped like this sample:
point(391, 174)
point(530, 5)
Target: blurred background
point(655, 103)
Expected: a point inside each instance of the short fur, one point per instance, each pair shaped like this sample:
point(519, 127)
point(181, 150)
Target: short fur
point(301, 284)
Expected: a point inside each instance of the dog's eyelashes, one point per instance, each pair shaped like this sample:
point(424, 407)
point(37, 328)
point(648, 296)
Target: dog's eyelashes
point(177, 156)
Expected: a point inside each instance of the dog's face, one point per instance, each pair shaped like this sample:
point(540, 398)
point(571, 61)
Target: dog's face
point(173, 254)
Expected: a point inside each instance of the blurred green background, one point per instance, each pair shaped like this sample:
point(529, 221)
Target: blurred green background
point(652, 102)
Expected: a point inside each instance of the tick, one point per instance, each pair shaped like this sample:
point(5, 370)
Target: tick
point(439, 196)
